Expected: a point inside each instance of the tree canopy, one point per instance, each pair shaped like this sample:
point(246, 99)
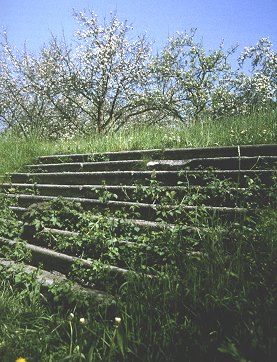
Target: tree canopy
point(110, 79)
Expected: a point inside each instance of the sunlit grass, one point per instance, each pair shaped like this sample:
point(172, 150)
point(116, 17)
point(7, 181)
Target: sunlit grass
point(252, 129)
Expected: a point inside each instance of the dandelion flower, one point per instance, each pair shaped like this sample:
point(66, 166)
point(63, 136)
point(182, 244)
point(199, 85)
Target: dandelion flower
point(21, 359)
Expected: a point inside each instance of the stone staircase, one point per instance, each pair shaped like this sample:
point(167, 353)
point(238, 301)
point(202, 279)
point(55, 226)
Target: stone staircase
point(184, 181)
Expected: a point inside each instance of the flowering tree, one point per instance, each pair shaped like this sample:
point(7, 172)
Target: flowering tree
point(110, 70)
point(102, 78)
point(108, 80)
point(95, 87)
point(185, 76)
point(49, 75)
point(263, 70)
point(251, 90)
point(20, 105)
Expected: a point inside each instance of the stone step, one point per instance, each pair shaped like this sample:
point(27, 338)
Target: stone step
point(224, 163)
point(60, 262)
point(171, 154)
point(123, 193)
point(207, 195)
point(144, 224)
point(172, 178)
point(125, 242)
point(76, 234)
point(47, 278)
point(32, 236)
point(93, 180)
point(146, 211)
point(125, 165)
point(49, 237)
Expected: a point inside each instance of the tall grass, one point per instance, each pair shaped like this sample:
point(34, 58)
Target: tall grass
point(251, 129)
point(16, 151)
point(219, 305)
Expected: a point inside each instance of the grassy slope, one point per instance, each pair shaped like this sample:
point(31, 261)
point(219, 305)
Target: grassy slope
point(255, 129)
point(228, 308)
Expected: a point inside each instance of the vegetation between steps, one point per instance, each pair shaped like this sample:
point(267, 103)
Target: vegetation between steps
point(212, 298)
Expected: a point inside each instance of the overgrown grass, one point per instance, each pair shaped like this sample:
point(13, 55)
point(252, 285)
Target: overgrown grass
point(251, 129)
point(212, 297)
point(219, 305)
point(215, 295)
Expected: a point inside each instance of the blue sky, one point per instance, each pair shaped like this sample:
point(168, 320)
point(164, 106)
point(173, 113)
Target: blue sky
point(235, 21)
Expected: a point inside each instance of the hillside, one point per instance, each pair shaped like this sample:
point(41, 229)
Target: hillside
point(155, 253)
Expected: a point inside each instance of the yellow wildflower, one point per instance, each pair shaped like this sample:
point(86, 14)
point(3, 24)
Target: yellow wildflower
point(21, 359)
